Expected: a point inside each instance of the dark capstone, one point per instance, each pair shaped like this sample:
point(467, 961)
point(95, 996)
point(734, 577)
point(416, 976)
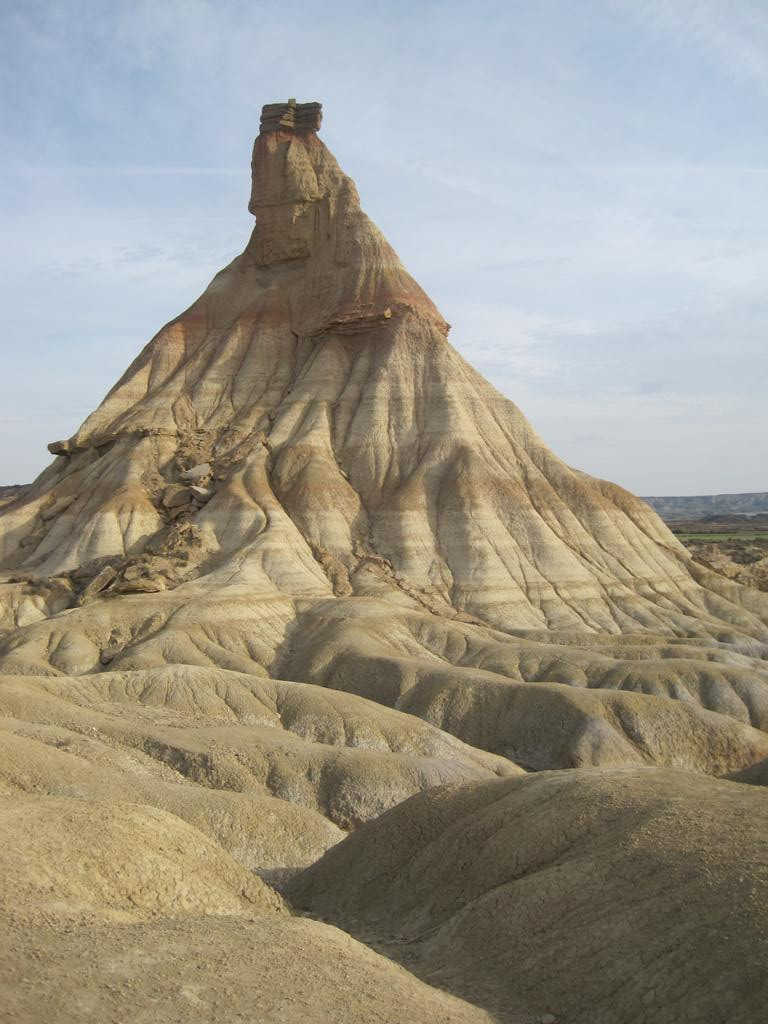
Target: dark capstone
point(291, 116)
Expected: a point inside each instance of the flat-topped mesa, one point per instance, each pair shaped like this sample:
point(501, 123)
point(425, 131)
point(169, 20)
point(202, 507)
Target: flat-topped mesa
point(291, 116)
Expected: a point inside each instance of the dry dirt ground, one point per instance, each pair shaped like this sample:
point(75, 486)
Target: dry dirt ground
point(609, 895)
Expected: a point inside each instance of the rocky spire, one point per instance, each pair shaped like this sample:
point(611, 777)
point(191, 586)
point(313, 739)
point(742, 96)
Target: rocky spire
point(314, 384)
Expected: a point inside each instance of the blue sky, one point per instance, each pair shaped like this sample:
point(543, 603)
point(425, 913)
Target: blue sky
point(581, 187)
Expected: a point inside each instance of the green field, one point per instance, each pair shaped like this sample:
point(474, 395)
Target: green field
point(750, 537)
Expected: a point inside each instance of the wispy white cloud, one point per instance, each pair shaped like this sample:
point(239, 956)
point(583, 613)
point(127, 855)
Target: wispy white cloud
point(731, 36)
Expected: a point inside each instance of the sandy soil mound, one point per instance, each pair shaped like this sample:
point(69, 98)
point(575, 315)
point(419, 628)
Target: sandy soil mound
point(237, 742)
point(595, 895)
point(261, 832)
point(77, 858)
point(217, 970)
point(545, 705)
point(548, 725)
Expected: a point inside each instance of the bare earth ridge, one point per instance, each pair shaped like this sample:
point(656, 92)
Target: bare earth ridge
point(305, 607)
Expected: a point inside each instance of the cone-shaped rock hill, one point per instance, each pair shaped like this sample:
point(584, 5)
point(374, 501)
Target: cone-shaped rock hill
point(302, 563)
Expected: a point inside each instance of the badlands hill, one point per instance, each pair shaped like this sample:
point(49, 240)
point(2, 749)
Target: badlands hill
point(304, 594)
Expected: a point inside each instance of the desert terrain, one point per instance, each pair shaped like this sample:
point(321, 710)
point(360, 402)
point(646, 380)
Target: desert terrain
point(736, 546)
point(330, 692)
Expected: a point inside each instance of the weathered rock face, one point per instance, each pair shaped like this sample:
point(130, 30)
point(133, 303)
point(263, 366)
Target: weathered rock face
point(304, 435)
point(351, 450)
point(299, 481)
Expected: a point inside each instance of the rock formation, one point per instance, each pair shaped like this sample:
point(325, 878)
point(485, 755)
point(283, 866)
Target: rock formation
point(304, 563)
